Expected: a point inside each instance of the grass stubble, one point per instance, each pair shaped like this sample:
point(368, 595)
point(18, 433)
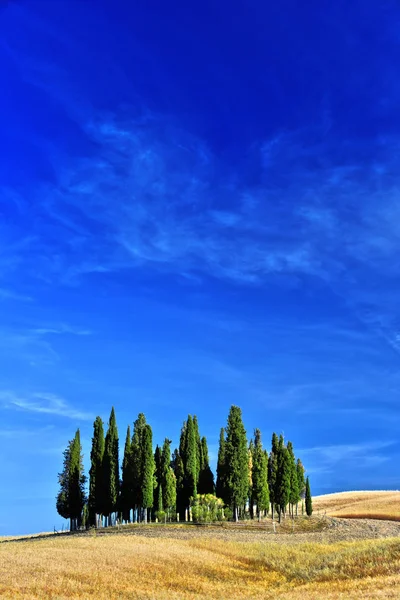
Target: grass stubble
point(188, 564)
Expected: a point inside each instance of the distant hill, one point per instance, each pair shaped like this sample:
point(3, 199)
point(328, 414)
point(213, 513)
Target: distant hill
point(365, 504)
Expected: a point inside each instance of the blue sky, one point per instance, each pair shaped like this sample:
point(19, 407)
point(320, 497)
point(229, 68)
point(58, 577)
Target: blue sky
point(199, 207)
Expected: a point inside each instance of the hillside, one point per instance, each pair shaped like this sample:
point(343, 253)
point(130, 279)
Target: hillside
point(189, 563)
point(365, 504)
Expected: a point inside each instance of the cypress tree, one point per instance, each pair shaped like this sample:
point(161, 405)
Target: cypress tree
point(206, 480)
point(221, 490)
point(136, 463)
point(190, 466)
point(273, 473)
point(169, 494)
point(148, 468)
point(71, 497)
point(111, 468)
point(260, 492)
point(236, 460)
point(158, 505)
point(95, 503)
point(308, 498)
point(199, 449)
point(294, 496)
point(126, 483)
point(158, 476)
point(62, 501)
point(179, 472)
point(250, 492)
point(283, 480)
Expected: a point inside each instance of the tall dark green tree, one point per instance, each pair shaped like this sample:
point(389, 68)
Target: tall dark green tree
point(300, 480)
point(309, 508)
point(236, 461)
point(148, 468)
point(168, 478)
point(199, 449)
point(206, 479)
point(260, 491)
point(136, 464)
point(221, 489)
point(111, 468)
point(95, 503)
point(158, 477)
point(294, 496)
point(190, 462)
point(126, 481)
point(273, 473)
point(179, 472)
point(71, 497)
point(283, 480)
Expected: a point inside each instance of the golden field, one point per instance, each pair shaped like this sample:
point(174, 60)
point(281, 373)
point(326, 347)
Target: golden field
point(377, 505)
point(140, 567)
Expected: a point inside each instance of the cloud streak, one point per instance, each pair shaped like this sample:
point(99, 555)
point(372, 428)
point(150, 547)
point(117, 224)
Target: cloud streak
point(42, 403)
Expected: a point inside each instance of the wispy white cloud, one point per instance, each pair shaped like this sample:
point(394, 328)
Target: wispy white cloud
point(364, 455)
point(44, 403)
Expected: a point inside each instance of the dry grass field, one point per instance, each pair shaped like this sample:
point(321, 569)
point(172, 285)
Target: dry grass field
point(178, 563)
point(376, 505)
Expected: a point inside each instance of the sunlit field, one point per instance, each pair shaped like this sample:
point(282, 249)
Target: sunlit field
point(125, 566)
point(378, 505)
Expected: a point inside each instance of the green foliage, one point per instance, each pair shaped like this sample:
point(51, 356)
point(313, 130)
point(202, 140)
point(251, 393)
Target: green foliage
point(199, 449)
point(71, 497)
point(221, 490)
point(168, 478)
point(96, 471)
point(300, 478)
point(308, 499)
point(236, 459)
point(190, 461)
point(126, 482)
point(273, 471)
point(283, 478)
point(206, 508)
point(148, 468)
point(179, 472)
point(259, 491)
point(294, 496)
point(111, 467)
point(206, 478)
point(136, 460)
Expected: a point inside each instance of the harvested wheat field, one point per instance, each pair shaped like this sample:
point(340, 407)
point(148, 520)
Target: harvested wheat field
point(169, 562)
point(373, 505)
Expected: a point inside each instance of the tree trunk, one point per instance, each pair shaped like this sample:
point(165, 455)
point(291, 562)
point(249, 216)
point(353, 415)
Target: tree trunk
point(145, 516)
point(297, 506)
point(279, 514)
point(272, 510)
point(236, 514)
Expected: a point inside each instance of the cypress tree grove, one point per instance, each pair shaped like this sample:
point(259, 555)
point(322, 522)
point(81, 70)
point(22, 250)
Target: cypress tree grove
point(126, 491)
point(260, 492)
point(136, 464)
point(220, 490)
point(96, 473)
point(148, 468)
point(308, 498)
point(206, 479)
point(294, 496)
point(236, 460)
point(111, 469)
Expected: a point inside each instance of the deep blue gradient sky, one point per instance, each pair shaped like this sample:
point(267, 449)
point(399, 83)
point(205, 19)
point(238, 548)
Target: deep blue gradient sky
point(199, 207)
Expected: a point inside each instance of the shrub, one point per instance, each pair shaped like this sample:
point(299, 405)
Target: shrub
point(207, 508)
